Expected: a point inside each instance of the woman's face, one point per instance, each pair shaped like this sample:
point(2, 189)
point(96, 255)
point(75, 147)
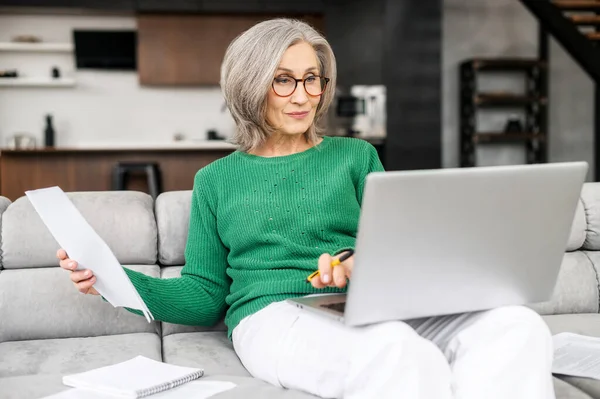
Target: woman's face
point(295, 113)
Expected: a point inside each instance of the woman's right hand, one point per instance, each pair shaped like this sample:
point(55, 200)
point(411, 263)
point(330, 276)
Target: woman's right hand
point(83, 279)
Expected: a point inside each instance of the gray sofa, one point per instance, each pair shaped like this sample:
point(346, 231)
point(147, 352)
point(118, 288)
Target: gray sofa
point(48, 329)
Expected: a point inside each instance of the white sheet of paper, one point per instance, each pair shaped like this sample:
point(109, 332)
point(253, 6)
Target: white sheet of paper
point(74, 234)
point(576, 355)
point(191, 390)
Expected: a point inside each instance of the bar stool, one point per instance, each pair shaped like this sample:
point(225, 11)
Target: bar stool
point(122, 171)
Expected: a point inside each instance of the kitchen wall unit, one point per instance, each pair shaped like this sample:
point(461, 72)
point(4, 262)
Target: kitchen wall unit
point(188, 49)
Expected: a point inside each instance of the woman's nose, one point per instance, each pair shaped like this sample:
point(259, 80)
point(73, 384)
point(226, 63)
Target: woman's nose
point(299, 96)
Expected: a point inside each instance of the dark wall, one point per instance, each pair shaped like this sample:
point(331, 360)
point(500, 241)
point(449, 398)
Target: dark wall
point(355, 33)
point(397, 44)
point(412, 75)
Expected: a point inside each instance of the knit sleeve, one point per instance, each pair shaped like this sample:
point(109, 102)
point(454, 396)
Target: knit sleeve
point(198, 296)
point(372, 164)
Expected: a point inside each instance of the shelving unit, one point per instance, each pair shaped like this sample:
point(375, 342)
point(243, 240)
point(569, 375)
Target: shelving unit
point(37, 47)
point(17, 47)
point(37, 82)
point(534, 100)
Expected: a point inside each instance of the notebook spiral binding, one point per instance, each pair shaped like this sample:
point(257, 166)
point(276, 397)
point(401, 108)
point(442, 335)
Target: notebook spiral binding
point(168, 385)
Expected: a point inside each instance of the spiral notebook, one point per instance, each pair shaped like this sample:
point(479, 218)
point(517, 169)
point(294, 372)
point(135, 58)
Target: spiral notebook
point(135, 378)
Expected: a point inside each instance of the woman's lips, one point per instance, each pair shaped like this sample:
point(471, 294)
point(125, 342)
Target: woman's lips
point(297, 115)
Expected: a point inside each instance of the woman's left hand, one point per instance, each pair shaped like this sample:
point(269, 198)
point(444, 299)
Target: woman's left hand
point(336, 276)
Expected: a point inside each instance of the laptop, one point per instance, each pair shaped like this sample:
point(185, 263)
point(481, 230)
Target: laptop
point(438, 242)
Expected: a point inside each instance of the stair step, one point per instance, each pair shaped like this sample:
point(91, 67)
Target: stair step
point(580, 19)
point(499, 64)
point(592, 35)
point(584, 19)
point(577, 5)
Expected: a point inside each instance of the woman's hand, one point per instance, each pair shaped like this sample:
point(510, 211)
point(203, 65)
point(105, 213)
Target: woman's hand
point(336, 276)
point(83, 279)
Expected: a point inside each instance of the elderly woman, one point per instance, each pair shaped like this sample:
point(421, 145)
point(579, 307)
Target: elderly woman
point(288, 202)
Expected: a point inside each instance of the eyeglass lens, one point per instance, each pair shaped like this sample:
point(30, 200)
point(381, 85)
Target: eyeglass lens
point(285, 86)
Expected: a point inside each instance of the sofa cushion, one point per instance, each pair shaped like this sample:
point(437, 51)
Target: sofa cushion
point(578, 229)
point(585, 323)
point(211, 350)
point(564, 390)
point(590, 197)
point(173, 219)
point(124, 220)
point(576, 289)
point(43, 303)
point(248, 387)
point(4, 203)
point(42, 385)
point(31, 386)
point(170, 328)
point(74, 355)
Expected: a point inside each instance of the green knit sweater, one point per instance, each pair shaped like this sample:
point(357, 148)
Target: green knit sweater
point(257, 228)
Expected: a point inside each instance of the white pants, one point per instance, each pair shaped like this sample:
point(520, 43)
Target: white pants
point(505, 353)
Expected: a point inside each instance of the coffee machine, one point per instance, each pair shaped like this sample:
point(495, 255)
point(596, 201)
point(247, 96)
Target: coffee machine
point(359, 111)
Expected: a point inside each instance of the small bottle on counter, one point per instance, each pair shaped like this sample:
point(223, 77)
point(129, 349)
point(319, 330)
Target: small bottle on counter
point(49, 132)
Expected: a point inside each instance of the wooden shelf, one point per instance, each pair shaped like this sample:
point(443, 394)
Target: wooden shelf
point(37, 47)
point(501, 137)
point(503, 64)
point(506, 99)
point(36, 82)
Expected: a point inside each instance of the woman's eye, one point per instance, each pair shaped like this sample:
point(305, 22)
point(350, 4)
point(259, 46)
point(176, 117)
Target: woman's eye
point(282, 80)
point(311, 79)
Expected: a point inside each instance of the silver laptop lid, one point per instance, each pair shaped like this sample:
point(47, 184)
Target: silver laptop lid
point(455, 240)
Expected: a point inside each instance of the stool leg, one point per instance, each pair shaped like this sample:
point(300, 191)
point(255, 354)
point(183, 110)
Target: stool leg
point(152, 182)
point(119, 179)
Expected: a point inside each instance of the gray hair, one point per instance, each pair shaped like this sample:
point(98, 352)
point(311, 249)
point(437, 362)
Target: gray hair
point(249, 67)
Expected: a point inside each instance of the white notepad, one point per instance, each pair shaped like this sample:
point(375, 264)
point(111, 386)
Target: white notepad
point(133, 378)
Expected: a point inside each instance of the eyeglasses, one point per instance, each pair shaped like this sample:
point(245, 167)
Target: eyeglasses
point(285, 86)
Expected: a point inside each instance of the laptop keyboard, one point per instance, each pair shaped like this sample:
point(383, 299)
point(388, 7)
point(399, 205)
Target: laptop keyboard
point(338, 307)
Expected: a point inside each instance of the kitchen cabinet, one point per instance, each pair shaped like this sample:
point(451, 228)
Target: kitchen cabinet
point(187, 50)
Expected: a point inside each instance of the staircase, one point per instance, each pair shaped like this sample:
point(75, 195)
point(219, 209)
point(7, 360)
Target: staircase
point(575, 24)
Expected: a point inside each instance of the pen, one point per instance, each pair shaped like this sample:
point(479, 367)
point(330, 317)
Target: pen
point(334, 263)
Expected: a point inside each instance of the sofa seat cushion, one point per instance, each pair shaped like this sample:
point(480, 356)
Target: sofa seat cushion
point(74, 355)
point(210, 350)
point(31, 386)
point(38, 386)
point(43, 303)
point(564, 390)
point(585, 324)
point(248, 387)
